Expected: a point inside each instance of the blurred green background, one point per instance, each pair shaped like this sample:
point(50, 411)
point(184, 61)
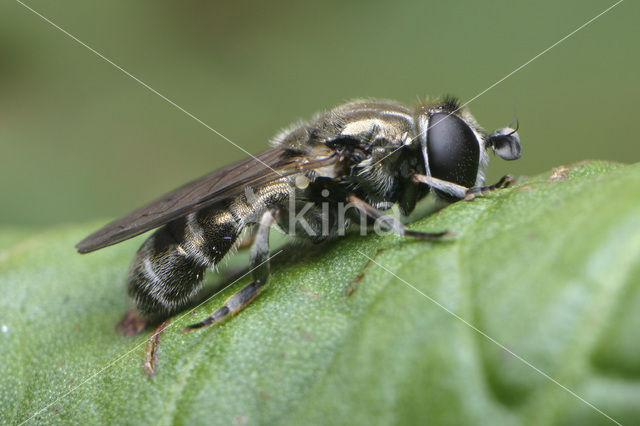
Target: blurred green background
point(80, 140)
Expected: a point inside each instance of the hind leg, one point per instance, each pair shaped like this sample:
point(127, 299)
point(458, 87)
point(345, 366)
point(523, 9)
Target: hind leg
point(167, 271)
point(260, 274)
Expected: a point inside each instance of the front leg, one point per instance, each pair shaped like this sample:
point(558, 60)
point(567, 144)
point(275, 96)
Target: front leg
point(260, 274)
point(504, 182)
point(459, 191)
point(391, 222)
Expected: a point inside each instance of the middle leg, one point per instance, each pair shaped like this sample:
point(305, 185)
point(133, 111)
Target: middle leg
point(391, 222)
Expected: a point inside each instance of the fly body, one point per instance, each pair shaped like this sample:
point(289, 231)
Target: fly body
point(319, 177)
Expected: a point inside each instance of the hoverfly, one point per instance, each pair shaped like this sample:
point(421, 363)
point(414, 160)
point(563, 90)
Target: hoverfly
point(369, 154)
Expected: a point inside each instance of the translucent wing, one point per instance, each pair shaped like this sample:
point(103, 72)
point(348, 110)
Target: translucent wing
point(206, 191)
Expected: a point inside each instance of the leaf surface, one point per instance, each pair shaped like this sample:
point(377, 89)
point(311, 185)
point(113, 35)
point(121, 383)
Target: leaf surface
point(425, 332)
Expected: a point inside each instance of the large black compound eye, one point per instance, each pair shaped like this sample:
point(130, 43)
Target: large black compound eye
point(453, 150)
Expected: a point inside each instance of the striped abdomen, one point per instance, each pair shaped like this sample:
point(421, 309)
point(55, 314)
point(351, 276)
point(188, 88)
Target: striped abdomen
point(168, 268)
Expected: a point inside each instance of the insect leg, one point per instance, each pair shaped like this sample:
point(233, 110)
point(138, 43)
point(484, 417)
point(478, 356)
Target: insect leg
point(260, 274)
point(453, 189)
point(390, 221)
point(504, 182)
point(459, 191)
point(151, 351)
point(246, 241)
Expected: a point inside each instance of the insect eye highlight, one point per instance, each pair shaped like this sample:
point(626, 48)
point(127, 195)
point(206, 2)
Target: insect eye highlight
point(453, 149)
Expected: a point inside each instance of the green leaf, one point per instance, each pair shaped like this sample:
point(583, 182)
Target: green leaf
point(549, 269)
